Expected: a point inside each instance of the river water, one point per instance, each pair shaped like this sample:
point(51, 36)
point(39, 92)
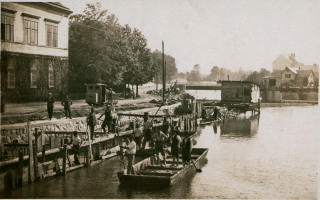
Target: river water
point(273, 156)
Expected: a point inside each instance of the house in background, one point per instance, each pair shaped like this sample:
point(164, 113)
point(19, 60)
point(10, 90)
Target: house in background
point(289, 72)
point(281, 62)
point(34, 50)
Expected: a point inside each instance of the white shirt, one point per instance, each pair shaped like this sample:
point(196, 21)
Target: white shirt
point(76, 140)
point(132, 148)
point(137, 132)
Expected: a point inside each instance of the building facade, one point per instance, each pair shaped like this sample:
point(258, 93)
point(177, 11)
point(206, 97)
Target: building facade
point(239, 92)
point(34, 50)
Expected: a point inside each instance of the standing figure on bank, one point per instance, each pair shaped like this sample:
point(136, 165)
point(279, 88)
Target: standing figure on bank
point(76, 141)
point(107, 119)
point(165, 126)
point(147, 131)
point(50, 105)
point(160, 140)
point(66, 103)
point(175, 145)
point(175, 128)
point(186, 150)
point(137, 133)
point(91, 122)
point(130, 152)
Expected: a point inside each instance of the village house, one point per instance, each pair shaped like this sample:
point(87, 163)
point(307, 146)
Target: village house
point(34, 50)
point(289, 72)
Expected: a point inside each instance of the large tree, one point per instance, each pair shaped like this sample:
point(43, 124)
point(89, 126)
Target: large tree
point(171, 68)
point(195, 74)
point(92, 52)
point(101, 50)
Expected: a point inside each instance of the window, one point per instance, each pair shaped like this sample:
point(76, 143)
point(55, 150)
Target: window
point(11, 77)
point(34, 76)
point(287, 75)
point(52, 35)
point(51, 76)
point(7, 27)
point(30, 28)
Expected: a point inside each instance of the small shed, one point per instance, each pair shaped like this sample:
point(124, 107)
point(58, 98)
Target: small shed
point(239, 92)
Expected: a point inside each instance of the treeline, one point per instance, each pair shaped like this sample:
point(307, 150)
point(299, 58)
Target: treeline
point(103, 51)
point(216, 74)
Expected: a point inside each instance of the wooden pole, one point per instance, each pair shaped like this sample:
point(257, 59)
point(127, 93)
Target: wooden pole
point(31, 160)
point(36, 167)
point(20, 169)
point(87, 156)
point(163, 74)
point(64, 163)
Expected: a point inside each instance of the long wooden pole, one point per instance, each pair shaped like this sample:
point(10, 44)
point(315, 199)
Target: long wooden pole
point(31, 160)
point(163, 74)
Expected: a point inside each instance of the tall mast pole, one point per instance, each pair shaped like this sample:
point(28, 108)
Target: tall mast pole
point(163, 75)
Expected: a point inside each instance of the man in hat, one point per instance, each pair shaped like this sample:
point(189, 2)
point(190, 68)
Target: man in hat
point(147, 131)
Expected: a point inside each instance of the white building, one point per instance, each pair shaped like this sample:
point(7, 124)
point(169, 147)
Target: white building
point(34, 50)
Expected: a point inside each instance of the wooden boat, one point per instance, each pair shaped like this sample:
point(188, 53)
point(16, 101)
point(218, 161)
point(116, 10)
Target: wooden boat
point(151, 151)
point(148, 173)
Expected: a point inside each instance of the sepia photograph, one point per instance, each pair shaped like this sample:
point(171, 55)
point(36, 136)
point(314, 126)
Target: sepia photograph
point(160, 99)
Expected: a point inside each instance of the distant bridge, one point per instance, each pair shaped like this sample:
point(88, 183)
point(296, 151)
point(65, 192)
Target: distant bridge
point(203, 87)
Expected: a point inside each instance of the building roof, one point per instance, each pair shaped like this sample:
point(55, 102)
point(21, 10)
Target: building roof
point(58, 6)
point(304, 73)
point(293, 70)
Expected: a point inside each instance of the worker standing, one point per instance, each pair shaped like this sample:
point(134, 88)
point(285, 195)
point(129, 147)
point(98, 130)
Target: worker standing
point(130, 152)
point(107, 119)
point(76, 141)
point(91, 122)
point(160, 139)
point(50, 105)
point(147, 131)
point(66, 103)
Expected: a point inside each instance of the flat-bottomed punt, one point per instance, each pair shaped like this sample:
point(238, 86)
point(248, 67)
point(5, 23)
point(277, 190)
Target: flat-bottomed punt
point(147, 173)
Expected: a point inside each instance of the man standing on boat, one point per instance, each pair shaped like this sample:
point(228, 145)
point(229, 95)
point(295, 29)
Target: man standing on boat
point(91, 122)
point(147, 131)
point(165, 126)
point(186, 150)
point(137, 133)
point(160, 139)
point(175, 145)
point(107, 119)
point(130, 152)
point(76, 141)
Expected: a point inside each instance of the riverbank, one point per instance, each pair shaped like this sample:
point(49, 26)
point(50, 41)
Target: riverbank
point(289, 103)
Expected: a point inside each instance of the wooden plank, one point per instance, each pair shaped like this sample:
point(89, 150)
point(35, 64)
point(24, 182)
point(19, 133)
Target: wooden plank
point(57, 167)
point(156, 173)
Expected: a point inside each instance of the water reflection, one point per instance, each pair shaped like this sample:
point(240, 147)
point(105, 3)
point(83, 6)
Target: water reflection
point(242, 126)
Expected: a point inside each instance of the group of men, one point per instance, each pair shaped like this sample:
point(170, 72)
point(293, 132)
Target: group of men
point(66, 103)
point(159, 139)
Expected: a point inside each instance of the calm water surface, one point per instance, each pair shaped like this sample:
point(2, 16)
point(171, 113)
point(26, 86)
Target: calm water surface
point(273, 156)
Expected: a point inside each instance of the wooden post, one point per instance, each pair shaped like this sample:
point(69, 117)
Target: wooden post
point(20, 169)
point(36, 167)
point(64, 163)
point(31, 160)
point(87, 156)
point(43, 153)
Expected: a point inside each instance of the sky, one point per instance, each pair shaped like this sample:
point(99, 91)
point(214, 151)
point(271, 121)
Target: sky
point(249, 34)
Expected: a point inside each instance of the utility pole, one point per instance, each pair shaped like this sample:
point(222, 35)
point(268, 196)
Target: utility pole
point(163, 75)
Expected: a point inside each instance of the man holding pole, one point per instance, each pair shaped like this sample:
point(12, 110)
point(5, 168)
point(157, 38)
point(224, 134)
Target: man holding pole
point(147, 131)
